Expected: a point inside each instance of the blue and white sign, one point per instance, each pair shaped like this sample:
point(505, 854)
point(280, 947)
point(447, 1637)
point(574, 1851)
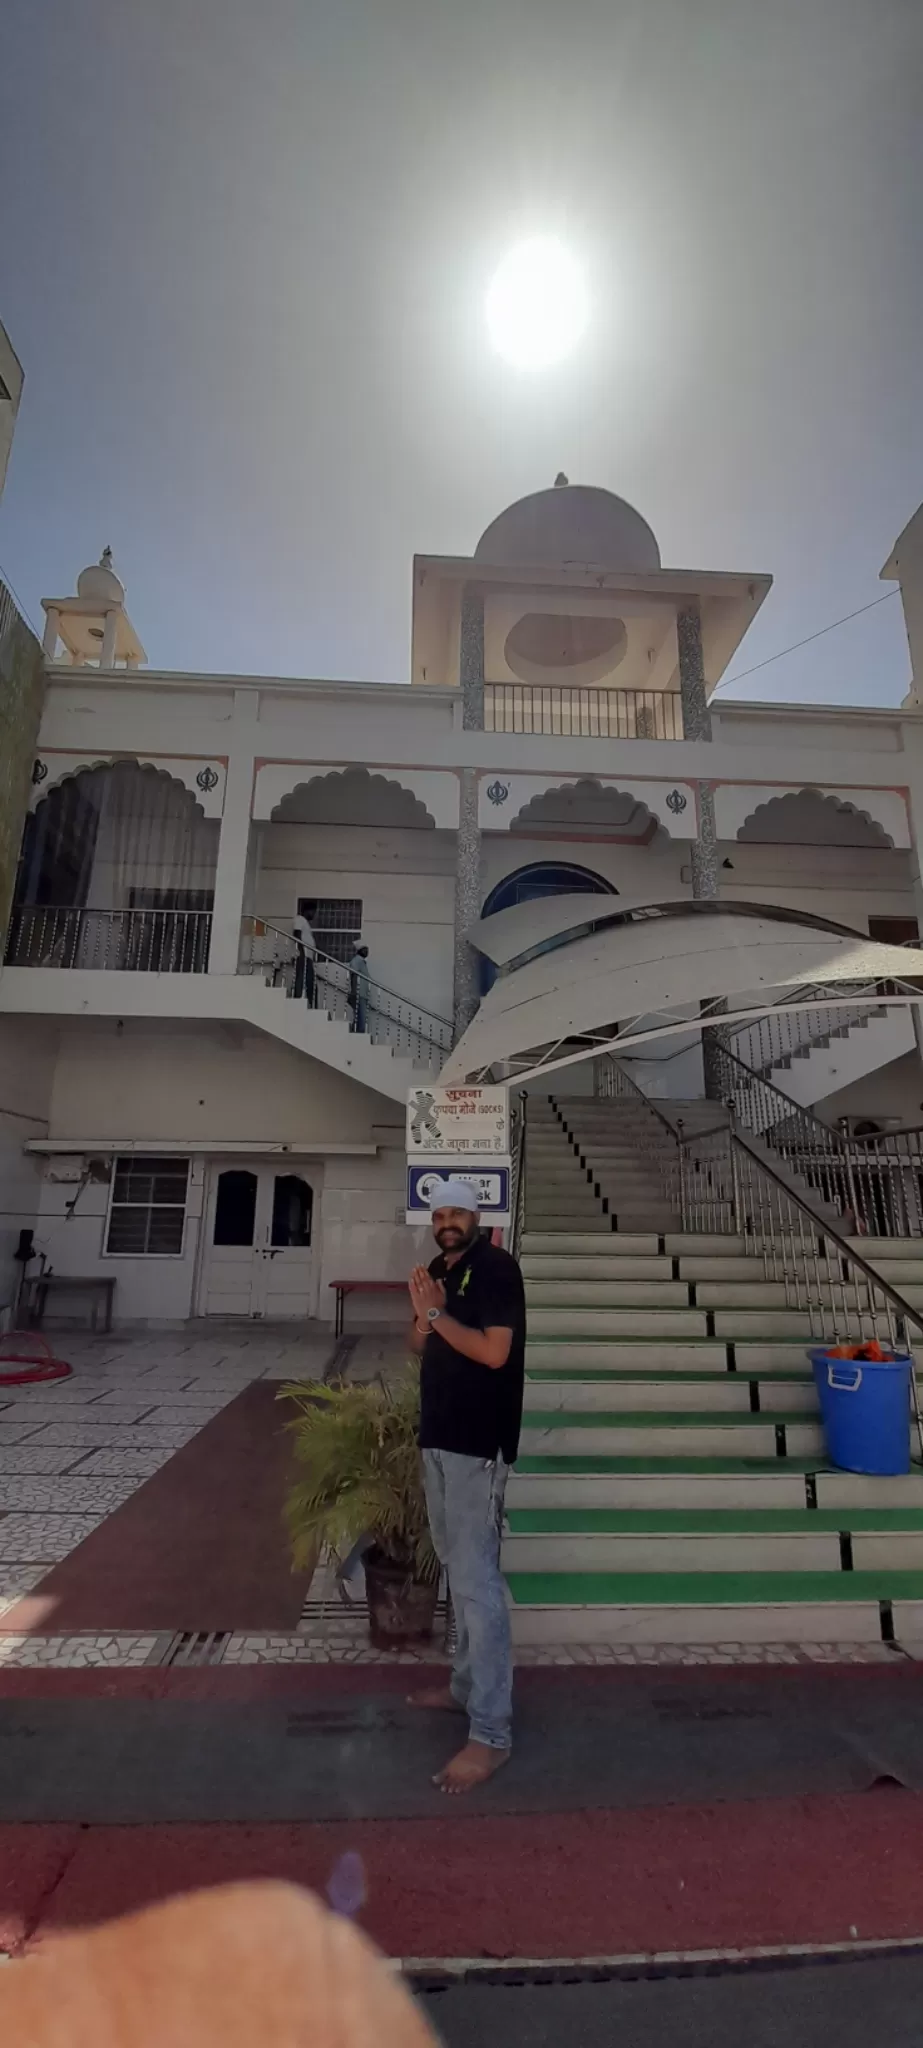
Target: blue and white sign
point(492, 1183)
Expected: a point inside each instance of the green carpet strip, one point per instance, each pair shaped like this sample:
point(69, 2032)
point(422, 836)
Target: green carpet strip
point(709, 1589)
point(708, 1521)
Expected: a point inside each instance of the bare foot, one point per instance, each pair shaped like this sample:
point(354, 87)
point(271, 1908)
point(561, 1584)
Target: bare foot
point(440, 1697)
point(471, 1767)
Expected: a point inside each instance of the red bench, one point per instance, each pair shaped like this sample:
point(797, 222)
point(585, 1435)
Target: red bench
point(344, 1287)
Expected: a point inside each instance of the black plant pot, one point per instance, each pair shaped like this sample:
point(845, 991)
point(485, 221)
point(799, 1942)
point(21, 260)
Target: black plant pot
point(401, 1608)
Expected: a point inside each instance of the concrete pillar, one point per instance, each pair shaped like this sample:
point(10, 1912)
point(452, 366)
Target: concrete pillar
point(471, 659)
point(234, 837)
point(694, 703)
point(52, 624)
point(467, 902)
point(697, 726)
point(107, 650)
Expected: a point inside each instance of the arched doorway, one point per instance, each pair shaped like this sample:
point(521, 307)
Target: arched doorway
point(539, 878)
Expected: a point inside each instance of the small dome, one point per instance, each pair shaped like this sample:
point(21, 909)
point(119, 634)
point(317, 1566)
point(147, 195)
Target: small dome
point(100, 584)
point(571, 523)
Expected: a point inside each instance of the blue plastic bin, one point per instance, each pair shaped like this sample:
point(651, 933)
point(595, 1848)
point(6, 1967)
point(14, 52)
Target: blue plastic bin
point(865, 1404)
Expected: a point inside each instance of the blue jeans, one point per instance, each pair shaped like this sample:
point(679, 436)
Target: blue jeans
point(464, 1502)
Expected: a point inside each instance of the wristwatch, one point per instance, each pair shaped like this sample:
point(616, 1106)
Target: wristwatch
point(433, 1315)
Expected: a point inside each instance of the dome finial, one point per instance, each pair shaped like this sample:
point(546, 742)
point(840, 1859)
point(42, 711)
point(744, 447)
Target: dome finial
point(105, 560)
point(560, 479)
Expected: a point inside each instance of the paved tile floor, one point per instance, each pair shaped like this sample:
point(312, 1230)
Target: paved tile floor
point(72, 1452)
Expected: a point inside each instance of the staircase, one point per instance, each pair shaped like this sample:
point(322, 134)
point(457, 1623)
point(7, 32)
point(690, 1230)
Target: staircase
point(831, 1055)
point(672, 1485)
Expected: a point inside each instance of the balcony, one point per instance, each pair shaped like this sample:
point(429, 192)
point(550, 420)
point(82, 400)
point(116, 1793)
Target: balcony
point(574, 712)
point(133, 941)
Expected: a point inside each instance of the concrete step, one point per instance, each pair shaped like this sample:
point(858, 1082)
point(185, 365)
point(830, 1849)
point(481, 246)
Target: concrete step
point(624, 1322)
point(636, 1266)
point(684, 1552)
point(610, 1434)
point(707, 1244)
point(606, 1294)
point(570, 1244)
point(812, 1608)
point(784, 1359)
point(585, 1483)
point(721, 1394)
point(564, 1223)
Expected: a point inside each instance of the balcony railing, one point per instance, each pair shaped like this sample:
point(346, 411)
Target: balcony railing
point(325, 984)
point(574, 712)
point(136, 941)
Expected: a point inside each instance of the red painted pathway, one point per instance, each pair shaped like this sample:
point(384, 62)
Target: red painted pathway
point(473, 1884)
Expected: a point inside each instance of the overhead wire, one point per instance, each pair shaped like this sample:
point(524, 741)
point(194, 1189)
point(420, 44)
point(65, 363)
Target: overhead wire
point(806, 642)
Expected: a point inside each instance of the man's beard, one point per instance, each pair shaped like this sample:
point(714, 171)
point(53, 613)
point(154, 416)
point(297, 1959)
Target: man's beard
point(453, 1240)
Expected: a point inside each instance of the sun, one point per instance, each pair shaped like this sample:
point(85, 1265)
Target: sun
point(537, 306)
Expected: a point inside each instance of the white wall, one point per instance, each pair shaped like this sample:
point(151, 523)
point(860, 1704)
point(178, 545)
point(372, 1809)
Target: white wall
point(145, 1082)
point(893, 1092)
point(404, 879)
point(845, 883)
point(27, 1053)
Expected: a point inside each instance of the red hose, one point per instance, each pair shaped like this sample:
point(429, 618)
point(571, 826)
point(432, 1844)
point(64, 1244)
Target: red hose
point(27, 1366)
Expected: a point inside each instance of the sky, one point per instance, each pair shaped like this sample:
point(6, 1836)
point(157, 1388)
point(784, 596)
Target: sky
point(244, 256)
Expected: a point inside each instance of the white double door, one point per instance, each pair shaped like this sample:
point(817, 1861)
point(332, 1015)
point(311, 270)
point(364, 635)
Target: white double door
point(259, 1257)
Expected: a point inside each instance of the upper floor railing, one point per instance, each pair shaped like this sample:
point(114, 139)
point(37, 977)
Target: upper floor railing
point(323, 983)
point(139, 941)
point(573, 711)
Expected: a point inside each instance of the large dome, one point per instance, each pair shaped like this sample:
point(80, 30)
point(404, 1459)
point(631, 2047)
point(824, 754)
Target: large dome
point(572, 523)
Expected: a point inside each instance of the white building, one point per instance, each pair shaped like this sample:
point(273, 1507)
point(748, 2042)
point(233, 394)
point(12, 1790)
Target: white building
point(177, 1114)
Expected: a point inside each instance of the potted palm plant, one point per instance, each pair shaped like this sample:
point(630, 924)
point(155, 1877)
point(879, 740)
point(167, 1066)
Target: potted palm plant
point(362, 1480)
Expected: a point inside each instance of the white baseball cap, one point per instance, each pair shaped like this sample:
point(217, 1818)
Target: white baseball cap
point(453, 1194)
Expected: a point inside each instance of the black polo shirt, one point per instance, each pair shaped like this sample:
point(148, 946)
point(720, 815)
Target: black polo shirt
point(466, 1407)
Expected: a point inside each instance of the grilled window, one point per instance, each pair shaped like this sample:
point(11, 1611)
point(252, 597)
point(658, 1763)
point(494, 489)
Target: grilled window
point(336, 922)
point(148, 1208)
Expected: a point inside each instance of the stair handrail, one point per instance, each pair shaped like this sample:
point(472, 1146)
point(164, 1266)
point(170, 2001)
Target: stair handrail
point(850, 1008)
point(741, 1175)
point(750, 1166)
point(331, 959)
point(878, 1181)
point(611, 1079)
point(519, 1175)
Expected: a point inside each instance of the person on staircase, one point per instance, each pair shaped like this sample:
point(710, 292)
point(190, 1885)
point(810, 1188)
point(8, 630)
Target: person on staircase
point(304, 984)
point(359, 989)
point(469, 1329)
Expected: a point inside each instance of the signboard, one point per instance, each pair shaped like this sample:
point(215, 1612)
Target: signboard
point(491, 1181)
point(458, 1121)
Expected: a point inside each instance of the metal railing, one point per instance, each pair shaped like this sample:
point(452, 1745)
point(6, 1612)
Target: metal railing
point(786, 1035)
point(874, 1184)
point(326, 984)
point(134, 941)
point(729, 1186)
point(572, 710)
point(518, 1134)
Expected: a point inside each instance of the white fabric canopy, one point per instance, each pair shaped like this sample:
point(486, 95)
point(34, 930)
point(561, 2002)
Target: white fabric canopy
point(660, 964)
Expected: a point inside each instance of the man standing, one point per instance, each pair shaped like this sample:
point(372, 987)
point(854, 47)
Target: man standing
point(359, 988)
point(470, 1329)
point(305, 957)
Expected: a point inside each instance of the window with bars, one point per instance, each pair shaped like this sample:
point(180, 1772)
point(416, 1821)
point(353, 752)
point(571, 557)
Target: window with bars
point(336, 922)
point(147, 1212)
